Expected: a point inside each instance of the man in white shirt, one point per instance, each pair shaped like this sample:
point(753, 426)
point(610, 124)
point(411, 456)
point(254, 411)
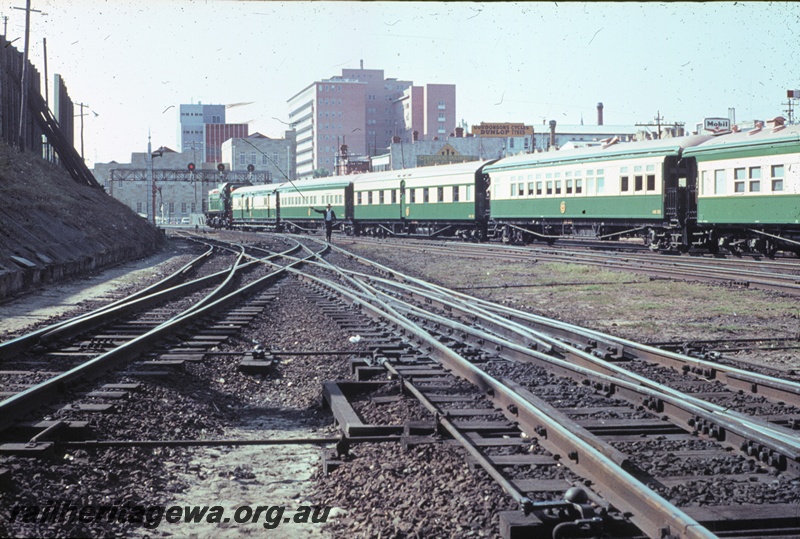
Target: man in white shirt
point(330, 218)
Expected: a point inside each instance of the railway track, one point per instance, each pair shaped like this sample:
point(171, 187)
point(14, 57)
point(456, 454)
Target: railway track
point(781, 275)
point(598, 432)
point(160, 321)
point(587, 434)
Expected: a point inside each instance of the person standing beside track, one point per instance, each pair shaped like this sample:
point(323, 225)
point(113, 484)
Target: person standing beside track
point(330, 218)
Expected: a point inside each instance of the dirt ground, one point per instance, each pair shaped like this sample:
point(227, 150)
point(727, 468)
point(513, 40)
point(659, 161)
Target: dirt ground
point(623, 304)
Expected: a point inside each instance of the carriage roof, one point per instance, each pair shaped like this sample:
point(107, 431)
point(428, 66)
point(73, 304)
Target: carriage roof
point(768, 140)
point(605, 152)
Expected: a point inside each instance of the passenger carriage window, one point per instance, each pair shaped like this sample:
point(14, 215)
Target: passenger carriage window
point(413, 196)
point(394, 196)
point(601, 184)
point(777, 177)
point(530, 188)
point(651, 182)
point(578, 186)
point(590, 186)
point(426, 196)
point(538, 188)
point(755, 179)
point(638, 183)
point(513, 189)
point(380, 197)
point(455, 193)
point(521, 189)
point(569, 186)
point(739, 177)
point(369, 197)
point(558, 187)
point(469, 193)
point(550, 188)
point(623, 183)
point(719, 182)
point(358, 198)
point(440, 194)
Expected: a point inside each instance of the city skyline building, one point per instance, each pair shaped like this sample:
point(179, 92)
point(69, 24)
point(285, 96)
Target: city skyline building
point(274, 158)
point(364, 111)
point(191, 127)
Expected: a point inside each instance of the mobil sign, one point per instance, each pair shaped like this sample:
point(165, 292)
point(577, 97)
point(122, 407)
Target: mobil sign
point(717, 125)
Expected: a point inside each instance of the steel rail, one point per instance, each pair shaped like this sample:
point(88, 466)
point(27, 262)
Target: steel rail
point(660, 398)
point(740, 379)
point(20, 404)
point(508, 486)
point(754, 383)
point(18, 344)
point(731, 270)
point(783, 444)
point(649, 511)
point(110, 444)
point(87, 321)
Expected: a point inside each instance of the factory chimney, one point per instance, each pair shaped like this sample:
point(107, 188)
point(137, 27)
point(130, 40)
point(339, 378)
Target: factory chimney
point(552, 133)
point(599, 114)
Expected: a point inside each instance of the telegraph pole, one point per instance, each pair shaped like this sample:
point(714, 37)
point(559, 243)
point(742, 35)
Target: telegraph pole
point(82, 106)
point(151, 155)
point(46, 91)
point(791, 100)
point(24, 89)
point(658, 119)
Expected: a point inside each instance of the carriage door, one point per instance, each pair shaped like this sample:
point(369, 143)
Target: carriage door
point(680, 189)
point(349, 209)
point(674, 194)
point(402, 199)
point(689, 176)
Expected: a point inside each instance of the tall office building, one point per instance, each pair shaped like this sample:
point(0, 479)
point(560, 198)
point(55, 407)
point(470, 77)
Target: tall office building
point(193, 121)
point(363, 110)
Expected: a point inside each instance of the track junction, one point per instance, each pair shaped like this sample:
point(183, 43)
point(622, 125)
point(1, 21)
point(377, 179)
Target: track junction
point(586, 434)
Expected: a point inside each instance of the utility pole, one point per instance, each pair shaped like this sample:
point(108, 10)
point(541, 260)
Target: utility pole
point(46, 91)
point(24, 89)
point(791, 100)
point(82, 106)
point(659, 119)
point(150, 156)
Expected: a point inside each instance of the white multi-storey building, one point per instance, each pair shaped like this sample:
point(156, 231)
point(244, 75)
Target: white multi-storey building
point(193, 119)
point(364, 111)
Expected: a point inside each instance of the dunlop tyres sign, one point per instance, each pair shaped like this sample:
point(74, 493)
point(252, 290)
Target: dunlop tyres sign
point(502, 130)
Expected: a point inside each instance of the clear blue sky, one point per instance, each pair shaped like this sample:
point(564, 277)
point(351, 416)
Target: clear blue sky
point(531, 62)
